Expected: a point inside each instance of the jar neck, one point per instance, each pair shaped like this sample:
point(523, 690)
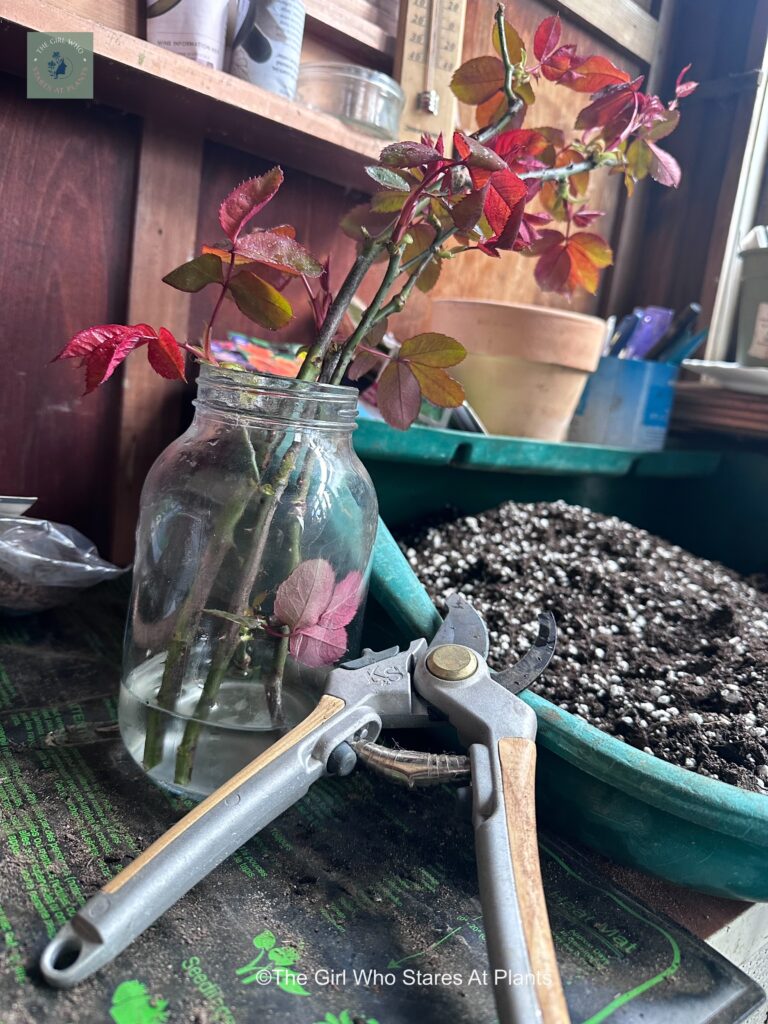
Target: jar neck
point(280, 401)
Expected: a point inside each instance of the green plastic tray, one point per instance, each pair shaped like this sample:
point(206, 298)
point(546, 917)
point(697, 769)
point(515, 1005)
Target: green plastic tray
point(629, 805)
point(377, 441)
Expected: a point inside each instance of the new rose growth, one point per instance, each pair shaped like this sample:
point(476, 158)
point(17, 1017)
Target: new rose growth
point(504, 188)
point(507, 187)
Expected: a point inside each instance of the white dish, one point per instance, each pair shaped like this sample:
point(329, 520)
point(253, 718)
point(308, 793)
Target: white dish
point(752, 380)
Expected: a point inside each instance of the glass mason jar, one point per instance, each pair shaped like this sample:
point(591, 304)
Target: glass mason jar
point(252, 562)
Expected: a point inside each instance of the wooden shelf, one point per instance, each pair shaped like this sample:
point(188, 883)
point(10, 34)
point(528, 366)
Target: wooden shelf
point(624, 22)
point(702, 408)
point(142, 78)
point(355, 33)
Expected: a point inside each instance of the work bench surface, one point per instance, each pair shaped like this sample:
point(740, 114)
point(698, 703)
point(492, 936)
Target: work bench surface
point(358, 905)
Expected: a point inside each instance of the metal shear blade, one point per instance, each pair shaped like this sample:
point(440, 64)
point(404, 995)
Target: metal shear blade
point(527, 670)
point(462, 625)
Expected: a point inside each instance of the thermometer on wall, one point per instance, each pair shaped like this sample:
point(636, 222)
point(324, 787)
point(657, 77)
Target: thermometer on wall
point(429, 49)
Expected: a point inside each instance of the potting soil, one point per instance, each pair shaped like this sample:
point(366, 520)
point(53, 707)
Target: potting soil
point(664, 650)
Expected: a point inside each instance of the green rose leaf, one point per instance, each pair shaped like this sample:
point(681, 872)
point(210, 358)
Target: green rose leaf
point(259, 301)
point(388, 179)
point(195, 274)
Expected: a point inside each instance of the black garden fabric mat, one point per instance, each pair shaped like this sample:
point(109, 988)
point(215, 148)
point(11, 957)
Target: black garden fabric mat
point(358, 906)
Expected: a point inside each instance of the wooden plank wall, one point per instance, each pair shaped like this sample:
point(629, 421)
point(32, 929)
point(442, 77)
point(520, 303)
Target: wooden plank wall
point(67, 180)
point(164, 233)
point(67, 256)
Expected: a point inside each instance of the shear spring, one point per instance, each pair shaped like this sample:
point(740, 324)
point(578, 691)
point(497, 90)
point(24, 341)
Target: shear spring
point(413, 767)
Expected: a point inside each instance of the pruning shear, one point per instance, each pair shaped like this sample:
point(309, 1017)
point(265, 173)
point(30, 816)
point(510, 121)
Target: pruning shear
point(446, 678)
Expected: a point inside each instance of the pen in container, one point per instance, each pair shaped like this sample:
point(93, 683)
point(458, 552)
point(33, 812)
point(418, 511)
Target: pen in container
point(623, 332)
point(682, 323)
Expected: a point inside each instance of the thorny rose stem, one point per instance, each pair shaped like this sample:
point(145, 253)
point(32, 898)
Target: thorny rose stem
point(186, 625)
point(271, 495)
point(322, 362)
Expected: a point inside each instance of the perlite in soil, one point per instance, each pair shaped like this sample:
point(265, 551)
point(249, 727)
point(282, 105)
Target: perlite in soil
point(664, 650)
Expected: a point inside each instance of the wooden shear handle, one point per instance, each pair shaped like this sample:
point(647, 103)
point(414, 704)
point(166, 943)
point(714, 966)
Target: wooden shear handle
point(518, 772)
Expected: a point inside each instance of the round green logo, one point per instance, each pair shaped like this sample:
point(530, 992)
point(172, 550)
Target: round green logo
point(60, 66)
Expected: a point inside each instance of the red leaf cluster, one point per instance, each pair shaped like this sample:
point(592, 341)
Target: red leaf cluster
point(618, 117)
point(104, 347)
point(231, 266)
point(619, 111)
point(503, 194)
point(522, 148)
point(568, 261)
point(563, 65)
point(317, 611)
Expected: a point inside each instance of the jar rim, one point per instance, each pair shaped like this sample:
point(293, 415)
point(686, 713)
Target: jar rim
point(240, 377)
point(285, 402)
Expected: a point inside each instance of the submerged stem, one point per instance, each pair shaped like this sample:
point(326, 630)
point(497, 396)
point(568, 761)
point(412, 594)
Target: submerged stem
point(273, 683)
point(186, 626)
point(272, 492)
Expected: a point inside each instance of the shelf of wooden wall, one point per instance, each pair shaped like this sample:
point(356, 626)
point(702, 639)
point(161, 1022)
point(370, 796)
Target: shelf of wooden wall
point(182, 105)
point(356, 30)
point(144, 79)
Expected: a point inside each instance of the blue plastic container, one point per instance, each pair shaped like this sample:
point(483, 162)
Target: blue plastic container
point(626, 404)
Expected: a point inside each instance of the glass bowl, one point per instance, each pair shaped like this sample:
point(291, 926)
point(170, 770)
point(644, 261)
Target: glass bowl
point(367, 100)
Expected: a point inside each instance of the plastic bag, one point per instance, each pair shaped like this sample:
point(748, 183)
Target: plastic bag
point(44, 564)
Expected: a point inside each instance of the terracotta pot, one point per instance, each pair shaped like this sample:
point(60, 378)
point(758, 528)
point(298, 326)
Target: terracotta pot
point(527, 365)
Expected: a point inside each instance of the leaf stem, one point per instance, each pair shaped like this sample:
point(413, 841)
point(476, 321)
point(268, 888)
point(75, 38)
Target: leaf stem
point(217, 307)
point(559, 173)
point(512, 98)
point(514, 102)
point(419, 200)
point(369, 316)
point(313, 364)
point(418, 264)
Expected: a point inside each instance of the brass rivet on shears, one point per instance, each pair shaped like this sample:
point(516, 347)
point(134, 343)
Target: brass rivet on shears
point(452, 661)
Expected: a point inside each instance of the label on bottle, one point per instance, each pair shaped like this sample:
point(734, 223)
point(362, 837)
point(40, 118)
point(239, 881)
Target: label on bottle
point(759, 347)
point(267, 48)
point(193, 28)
